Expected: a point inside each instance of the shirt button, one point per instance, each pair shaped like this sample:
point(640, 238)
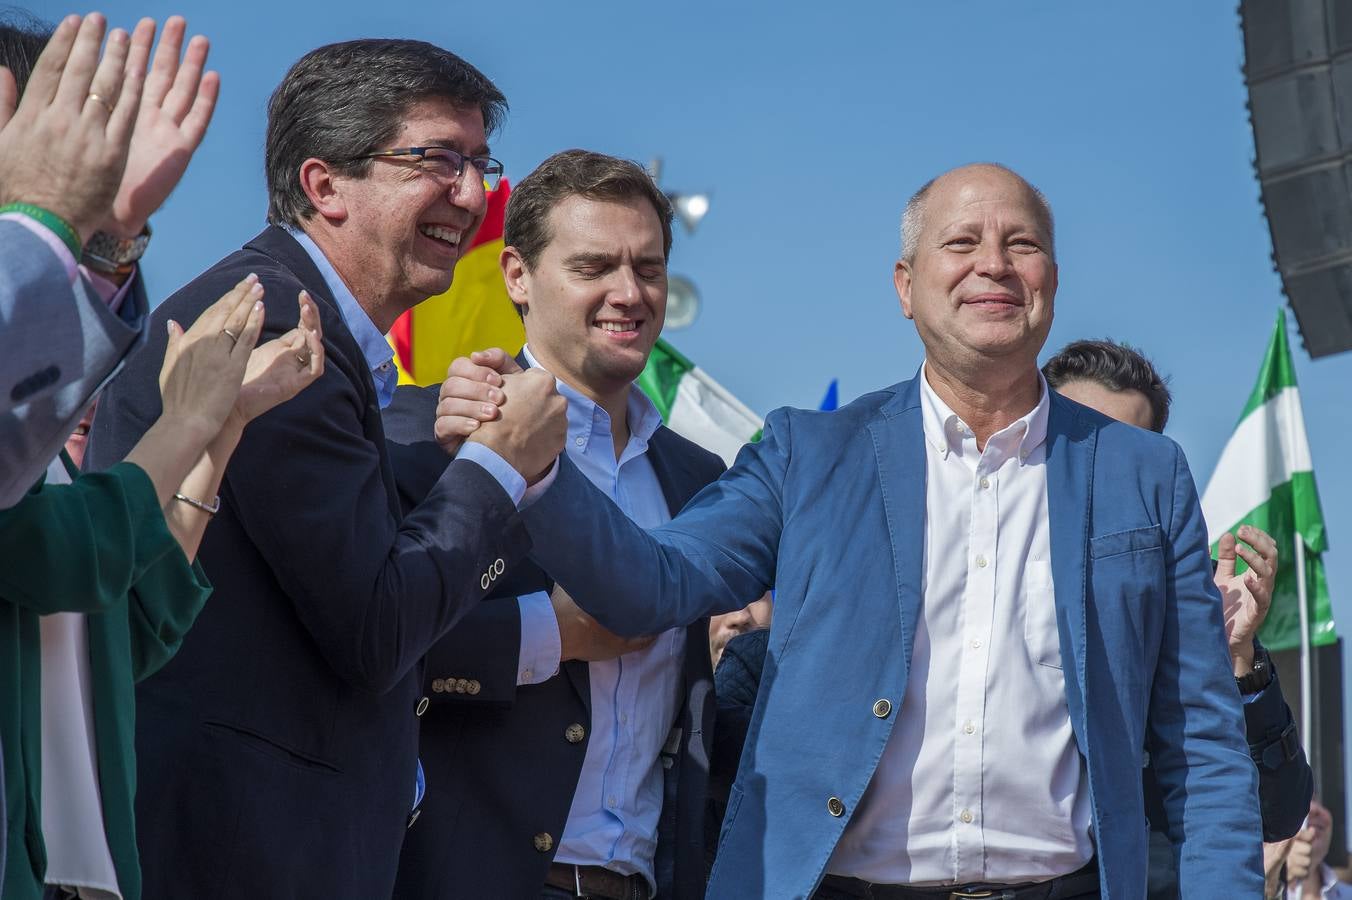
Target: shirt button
point(579, 441)
point(969, 728)
point(624, 717)
point(966, 816)
point(976, 645)
point(613, 802)
point(985, 484)
point(981, 562)
point(526, 674)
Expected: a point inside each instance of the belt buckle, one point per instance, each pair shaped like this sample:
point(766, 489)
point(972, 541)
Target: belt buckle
point(971, 895)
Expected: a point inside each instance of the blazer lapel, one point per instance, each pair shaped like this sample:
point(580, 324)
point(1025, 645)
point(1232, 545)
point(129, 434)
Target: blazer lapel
point(899, 442)
point(1070, 472)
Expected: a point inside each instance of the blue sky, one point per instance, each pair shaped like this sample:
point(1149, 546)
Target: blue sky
point(810, 124)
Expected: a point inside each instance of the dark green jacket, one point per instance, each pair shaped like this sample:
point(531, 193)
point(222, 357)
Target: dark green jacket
point(99, 546)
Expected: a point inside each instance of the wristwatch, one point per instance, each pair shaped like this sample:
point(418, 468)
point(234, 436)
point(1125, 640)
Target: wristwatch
point(1261, 675)
point(113, 255)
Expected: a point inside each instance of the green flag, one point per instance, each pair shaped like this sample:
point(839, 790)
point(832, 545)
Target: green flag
point(1265, 478)
point(695, 406)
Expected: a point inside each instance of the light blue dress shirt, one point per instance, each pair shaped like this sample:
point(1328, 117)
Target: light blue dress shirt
point(635, 698)
point(377, 352)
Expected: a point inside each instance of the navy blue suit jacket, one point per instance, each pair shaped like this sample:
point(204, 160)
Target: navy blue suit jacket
point(500, 767)
point(277, 749)
point(829, 508)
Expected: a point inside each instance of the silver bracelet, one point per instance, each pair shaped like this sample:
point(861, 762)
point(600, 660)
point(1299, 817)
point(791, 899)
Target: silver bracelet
point(211, 510)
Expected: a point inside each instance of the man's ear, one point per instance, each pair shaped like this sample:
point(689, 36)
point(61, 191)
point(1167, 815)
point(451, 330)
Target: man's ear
point(321, 186)
point(901, 280)
point(517, 278)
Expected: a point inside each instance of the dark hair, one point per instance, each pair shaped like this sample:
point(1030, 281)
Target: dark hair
point(1116, 367)
point(576, 173)
point(344, 100)
point(22, 38)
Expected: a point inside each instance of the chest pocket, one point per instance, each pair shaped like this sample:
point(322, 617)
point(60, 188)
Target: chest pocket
point(1039, 614)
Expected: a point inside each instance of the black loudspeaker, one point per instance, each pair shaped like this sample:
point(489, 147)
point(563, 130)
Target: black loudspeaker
point(1298, 68)
point(1325, 741)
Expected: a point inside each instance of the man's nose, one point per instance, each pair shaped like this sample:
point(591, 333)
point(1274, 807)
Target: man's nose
point(468, 193)
point(624, 289)
point(992, 260)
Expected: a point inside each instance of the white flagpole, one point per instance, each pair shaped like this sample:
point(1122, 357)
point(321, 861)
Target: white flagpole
point(1306, 716)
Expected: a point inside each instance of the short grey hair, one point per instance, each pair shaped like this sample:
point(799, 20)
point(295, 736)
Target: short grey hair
point(913, 216)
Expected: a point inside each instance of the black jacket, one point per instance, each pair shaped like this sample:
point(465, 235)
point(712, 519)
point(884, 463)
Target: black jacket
point(501, 768)
point(277, 750)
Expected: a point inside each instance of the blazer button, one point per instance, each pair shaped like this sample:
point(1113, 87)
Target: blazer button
point(574, 733)
point(438, 685)
point(498, 566)
point(461, 685)
point(544, 842)
point(422, 707)
point(882, 708)
point(473, 687)
point(835, 807)
point(483, 582)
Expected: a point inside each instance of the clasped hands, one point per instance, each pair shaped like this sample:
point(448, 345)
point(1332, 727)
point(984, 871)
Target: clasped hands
point(488, 399)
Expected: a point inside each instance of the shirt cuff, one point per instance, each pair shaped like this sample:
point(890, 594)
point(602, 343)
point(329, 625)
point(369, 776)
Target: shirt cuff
point(535, 491)
point(511, 480)
point(108, 290)
point(49, 238)
point(540, 643)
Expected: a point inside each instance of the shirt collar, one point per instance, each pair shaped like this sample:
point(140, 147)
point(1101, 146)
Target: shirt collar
point(586, 419)
point(946, 432)
point(377, 352)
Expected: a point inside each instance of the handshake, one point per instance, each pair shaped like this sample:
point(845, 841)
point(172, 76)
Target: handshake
point(517, 414)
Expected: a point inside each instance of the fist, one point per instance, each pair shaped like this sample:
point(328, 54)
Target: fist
point(531, 426)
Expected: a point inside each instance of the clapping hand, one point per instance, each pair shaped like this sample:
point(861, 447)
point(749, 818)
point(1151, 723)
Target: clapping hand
point(204, 366)
point(64, 146)
point(176, 107)
point(284, 366)
point(1246, 597)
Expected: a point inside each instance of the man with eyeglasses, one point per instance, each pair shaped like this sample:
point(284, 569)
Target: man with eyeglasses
point(277, 752)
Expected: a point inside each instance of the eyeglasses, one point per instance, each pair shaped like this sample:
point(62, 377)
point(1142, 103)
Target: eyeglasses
point(443, 162)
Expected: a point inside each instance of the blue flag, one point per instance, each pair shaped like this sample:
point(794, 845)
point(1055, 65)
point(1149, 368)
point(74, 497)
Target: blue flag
point(832, 399)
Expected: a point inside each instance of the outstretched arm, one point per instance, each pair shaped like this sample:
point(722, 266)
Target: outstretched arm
point(716, 556)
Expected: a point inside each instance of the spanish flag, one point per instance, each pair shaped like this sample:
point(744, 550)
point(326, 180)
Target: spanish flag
point(475, 313)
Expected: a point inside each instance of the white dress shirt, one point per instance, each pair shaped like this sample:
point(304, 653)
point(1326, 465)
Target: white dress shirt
point(634, 698)
point(981, 779)
point(72, 809)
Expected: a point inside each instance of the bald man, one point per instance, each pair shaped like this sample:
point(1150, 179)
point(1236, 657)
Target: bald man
point(989, 599)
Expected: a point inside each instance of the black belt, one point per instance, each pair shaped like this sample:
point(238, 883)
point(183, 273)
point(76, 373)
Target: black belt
point(1081, 881)
point(596, 882)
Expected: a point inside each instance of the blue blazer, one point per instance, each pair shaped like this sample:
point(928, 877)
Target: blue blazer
point(829, 508)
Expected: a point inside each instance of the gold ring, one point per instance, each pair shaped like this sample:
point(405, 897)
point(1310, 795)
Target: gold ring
point(234, 338)
point(99, 100)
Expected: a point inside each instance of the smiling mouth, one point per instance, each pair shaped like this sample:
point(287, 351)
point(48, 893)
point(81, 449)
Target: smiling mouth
point(626, 326)
point(448, 236)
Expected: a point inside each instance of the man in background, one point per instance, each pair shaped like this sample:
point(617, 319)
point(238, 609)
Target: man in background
point(1122, 383)
point(563, 760)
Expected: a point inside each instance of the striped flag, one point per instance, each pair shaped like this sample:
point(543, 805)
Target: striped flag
point(1265, 478)
point(473, 314)
point(695, 406)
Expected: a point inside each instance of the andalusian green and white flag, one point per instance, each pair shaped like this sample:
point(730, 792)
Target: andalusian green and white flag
point(695, 406)
point(1265, 478)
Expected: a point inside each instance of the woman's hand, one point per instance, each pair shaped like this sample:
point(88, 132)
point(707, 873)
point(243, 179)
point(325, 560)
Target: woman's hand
point(283, 367)
point(204, 366)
